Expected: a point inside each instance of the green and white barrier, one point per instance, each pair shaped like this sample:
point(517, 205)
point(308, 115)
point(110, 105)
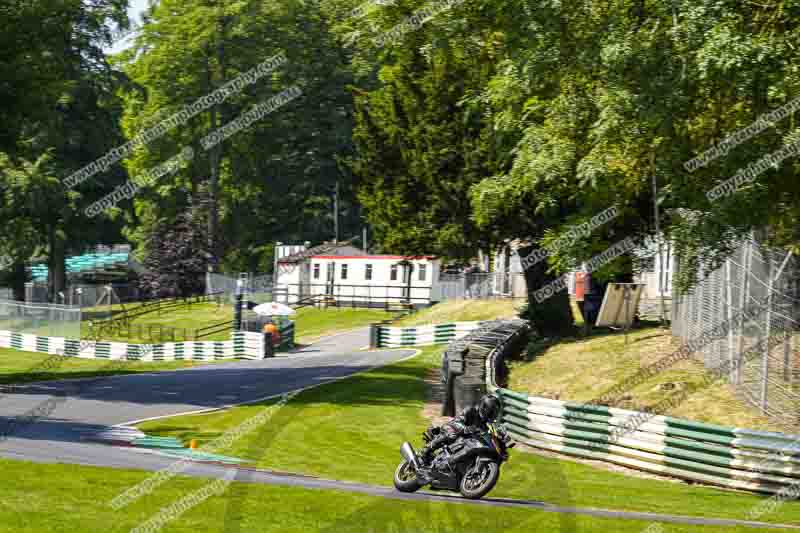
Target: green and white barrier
point(393, 337)
point(736, 458)
point(730, 457)
point(243, 345)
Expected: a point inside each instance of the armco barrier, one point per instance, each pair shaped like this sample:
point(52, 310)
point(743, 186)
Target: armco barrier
point(707, 453)
point(394, 337)
point(243, 345)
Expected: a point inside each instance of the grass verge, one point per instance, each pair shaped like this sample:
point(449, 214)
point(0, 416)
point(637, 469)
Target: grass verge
point(463, 311)
point(312, 323)
point(352, 429)
point(581, 369)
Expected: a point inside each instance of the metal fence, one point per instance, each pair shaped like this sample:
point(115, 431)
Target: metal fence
point(256, 287)
point(352, 295)
point(479, 285)
point(43, 319)
point(83, 295)
point(753, 301)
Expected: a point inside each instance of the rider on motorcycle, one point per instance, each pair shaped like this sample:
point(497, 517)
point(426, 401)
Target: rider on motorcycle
point(472, 420)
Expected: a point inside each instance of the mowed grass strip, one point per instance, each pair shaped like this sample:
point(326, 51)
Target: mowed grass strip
point(352, 429)
point(70, 498)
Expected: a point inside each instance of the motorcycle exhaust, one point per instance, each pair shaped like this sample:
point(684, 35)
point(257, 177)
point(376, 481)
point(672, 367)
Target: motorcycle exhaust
point(409, 455)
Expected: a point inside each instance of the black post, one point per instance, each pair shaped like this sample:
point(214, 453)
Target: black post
point(269, 349)
point(237, 314)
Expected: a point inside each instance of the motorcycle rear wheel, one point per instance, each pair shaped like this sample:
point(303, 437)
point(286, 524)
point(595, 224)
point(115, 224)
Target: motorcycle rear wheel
point(405, 479)
point(476, 483)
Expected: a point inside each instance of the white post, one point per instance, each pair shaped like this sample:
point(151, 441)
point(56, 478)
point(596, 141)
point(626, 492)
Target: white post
point(768, 332)
point(729, 306)
point(744, 288)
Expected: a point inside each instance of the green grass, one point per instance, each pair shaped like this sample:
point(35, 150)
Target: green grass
point(463, 311)
point(352, 429)
point(312, 323)
point(337, 425)
point(581, 369)
point(68, 499)
point(15, 367)
point(191, 318)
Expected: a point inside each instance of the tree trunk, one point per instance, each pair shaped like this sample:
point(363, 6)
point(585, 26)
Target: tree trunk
point(215, 158)
point(56, 263)
point(552, 316)
point(218, 117)
point(18, 280)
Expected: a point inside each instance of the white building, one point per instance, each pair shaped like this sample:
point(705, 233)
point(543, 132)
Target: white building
point(657, 272)
point(348, 276)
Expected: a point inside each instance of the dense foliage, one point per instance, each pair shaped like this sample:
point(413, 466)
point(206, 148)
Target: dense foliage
point(486, 123)
point(176, 258)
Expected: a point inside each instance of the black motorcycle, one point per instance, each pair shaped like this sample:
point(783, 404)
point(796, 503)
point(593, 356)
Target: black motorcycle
point(471, 465)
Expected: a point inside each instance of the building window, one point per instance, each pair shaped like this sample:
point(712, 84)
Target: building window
point(368, 273)
point(316, 270)
point(344, 271)
point(422, 273)
point(393, 273)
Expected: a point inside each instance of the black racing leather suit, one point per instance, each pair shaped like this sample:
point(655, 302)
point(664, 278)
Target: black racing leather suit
point(468, 421)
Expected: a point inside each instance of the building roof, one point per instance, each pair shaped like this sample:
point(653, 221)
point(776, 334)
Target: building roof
point(326, 248)
point(376, 257)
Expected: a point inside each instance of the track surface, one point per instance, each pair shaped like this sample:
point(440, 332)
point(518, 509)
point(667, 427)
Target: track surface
point(89, 405)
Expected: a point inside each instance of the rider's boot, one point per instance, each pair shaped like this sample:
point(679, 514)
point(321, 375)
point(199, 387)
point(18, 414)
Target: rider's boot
point(424, 471)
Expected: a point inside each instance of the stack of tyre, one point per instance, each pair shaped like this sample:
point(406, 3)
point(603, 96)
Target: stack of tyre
point(464, 364)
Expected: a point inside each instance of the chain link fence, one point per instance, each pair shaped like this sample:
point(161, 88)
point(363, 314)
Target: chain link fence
point(256, 288)
point(49, 320)
point(479, 285)
point(754, 302)
point(82, 294)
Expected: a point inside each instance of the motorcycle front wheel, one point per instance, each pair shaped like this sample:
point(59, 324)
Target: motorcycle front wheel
point(405, 478)
point(479, 480)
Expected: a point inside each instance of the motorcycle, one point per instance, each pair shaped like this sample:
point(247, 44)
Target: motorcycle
point(471, 465)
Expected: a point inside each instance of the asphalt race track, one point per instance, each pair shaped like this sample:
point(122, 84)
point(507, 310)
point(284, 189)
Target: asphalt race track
point(90, 405)
point(84, 406)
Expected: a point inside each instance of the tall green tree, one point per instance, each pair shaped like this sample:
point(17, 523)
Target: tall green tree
point(272, 181)
point(58, 115)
